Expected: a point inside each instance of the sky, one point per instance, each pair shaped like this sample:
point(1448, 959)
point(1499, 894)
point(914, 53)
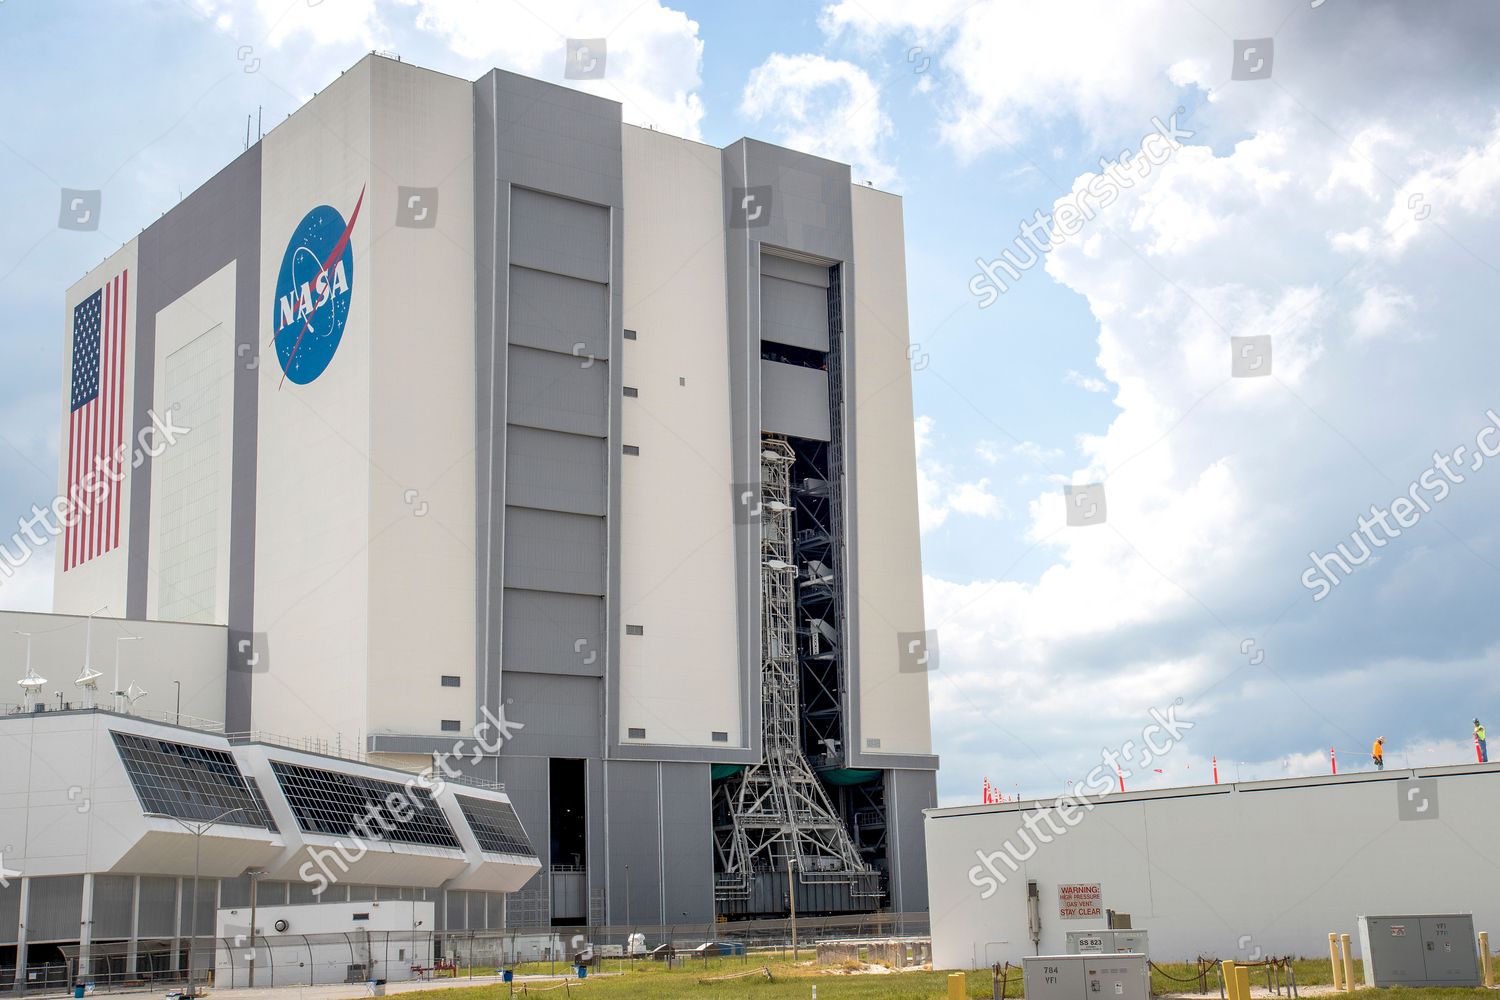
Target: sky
point(1255, 304)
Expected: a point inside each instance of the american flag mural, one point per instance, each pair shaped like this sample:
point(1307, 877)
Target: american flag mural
point(96, 423)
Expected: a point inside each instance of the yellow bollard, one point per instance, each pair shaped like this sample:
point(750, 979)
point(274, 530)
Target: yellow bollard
point(1484, 959)
point(1348, 963)
point(1242, 979)
point(956, 988)
point(1333, 958)
point(1232, 980)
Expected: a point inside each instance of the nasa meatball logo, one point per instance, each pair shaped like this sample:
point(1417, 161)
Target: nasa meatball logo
point(313, 292)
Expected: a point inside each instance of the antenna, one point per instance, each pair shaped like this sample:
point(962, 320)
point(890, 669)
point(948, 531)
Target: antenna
point(32, 681)
point(88, 680)
point(30, 685)
point(259, 135)
point(247, 131)
point(133, 694)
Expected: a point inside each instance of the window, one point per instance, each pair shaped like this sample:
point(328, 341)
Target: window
point(361, 916)
point(629, 334)
point(637, 734)
point(449, 681)
point(720, 737)
point(635, 630)
point(631, 449)
point(681, 380)
point(331, 803)
point(631, 392)
point(495, 826)
point(190, 782)
point(451, 726)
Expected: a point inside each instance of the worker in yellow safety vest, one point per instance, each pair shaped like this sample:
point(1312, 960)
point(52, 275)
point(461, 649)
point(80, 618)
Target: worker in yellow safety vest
point(1479, 741)
point(1377, 753)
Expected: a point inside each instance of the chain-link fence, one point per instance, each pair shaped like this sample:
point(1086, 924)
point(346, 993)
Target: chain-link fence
point(395, 956)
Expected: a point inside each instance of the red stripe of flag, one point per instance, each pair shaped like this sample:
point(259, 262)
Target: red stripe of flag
point(89, 443)
point(106, 416)
point(72, 452)
point(119, 460)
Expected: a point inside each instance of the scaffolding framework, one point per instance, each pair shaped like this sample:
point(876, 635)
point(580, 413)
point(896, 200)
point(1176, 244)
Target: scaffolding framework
point(780, 817)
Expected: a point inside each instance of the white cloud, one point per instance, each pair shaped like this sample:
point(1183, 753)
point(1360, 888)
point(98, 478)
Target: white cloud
point(653, 54)
point(823, 106)
point(653, 58)
point(1381, 312)
point(940, 494)
point(1297, 223)
point(1086, 382)
point(30, 586)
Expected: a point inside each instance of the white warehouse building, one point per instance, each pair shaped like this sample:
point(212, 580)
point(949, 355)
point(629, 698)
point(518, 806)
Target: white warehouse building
point(1234, 870)
point(461, 413)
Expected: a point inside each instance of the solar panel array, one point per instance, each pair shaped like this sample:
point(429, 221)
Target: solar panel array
point(190, 782)
point(338, 805)
point(496, 826)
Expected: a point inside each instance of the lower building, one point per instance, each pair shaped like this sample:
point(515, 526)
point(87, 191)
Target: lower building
point(1244, 870)
point(135, 850)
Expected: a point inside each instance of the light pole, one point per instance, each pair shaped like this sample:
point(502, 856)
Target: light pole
point(117, 693)
point(88, 639)
point(177, 718)
point(255, 875)
point(791, 895)
point(197, 830)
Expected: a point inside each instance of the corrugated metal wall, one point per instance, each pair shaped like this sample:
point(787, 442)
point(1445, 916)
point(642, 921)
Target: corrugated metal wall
point(156, 905)
point(554, 551)
point(794, 401)
point(555, 312)
point(554, 471)
point(114, 905)
point(554, 633)
point(55, 908)
point(794, 313)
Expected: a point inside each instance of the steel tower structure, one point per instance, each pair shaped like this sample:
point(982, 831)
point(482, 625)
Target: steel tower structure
point(780, 816)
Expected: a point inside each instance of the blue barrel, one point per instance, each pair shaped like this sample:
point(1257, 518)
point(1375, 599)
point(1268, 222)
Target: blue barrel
point(78, 991)
point(583, 972)
point(508, 976)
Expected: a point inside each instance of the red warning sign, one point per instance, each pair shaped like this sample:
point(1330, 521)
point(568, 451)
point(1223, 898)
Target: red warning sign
point(1080, 901)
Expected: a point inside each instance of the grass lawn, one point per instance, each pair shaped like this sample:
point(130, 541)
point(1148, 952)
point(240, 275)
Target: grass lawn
point(650, 981)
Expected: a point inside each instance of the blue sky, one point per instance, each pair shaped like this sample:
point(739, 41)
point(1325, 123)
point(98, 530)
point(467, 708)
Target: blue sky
point(1345, 207)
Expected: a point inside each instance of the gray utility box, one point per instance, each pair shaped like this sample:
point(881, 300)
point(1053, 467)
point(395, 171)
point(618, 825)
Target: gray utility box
point(1108, 942)
point(1086, 977)
point(1420, 950)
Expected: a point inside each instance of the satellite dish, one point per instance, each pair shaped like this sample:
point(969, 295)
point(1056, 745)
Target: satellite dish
point(134, 693)
point(88, 680)
point(30, 685)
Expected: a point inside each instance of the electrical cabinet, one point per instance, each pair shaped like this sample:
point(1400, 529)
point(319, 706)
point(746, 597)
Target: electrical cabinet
point(1086, 977)
point(1108, 942)
point(1420, 950)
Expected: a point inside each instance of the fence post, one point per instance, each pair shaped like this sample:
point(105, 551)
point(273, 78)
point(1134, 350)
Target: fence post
point(1484, 959)
point(1334, 959)
point(1348, 963)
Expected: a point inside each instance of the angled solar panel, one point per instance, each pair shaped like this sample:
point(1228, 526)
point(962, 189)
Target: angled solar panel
point(496, 826)
point(337, 804)
point(190, 782)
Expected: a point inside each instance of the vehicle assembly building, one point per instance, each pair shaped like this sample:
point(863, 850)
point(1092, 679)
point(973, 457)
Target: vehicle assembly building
point(459, 418)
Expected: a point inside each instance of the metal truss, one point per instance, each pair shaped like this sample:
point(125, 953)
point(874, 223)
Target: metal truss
point(779, 815)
